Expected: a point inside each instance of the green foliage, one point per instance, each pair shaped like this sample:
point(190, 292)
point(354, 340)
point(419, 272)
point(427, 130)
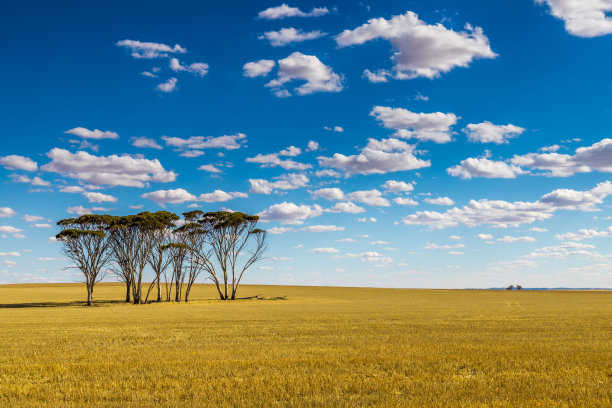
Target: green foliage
point(76, 233)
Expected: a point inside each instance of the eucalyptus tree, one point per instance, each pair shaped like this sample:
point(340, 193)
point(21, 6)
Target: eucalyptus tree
point(87, 244)
point(161, 234)
point(177, 253)
point(231, 235)
point(194, 236)
point(133, 239)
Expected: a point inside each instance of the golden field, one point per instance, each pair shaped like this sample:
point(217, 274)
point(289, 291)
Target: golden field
point(322, 346)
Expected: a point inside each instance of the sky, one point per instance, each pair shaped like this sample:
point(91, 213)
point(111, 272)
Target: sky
point(429, 144)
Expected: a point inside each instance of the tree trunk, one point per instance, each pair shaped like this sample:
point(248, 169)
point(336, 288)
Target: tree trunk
point(159, 293)
point(127, 291)
point(89, 295)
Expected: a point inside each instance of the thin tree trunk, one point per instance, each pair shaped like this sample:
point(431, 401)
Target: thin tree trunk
point(159, 293)
point(127, 291)
point(89, 295)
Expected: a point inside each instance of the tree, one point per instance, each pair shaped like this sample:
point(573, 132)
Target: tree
point(133, 239)
point(519, 287)
point(231, 235)
point(87, 244)
point(158, 259)
point(511, 287)
point(177, 254)
point(194, 236)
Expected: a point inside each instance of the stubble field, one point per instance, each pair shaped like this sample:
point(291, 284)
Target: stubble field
point(324, 347)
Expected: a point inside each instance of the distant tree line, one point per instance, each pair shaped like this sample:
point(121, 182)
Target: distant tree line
point(223, 245)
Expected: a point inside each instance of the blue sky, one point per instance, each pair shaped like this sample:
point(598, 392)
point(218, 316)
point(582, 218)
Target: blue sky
point(396, 144)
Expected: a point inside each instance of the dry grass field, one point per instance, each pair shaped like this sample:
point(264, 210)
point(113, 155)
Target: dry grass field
point(323, 347)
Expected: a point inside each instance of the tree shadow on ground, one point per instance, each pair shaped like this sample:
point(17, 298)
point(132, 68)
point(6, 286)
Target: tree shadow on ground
point(59, 304)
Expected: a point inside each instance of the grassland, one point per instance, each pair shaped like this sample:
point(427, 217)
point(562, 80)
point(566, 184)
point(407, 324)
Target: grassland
point(326, 347)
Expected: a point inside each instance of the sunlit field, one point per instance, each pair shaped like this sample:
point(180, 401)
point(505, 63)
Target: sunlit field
point(318, 347)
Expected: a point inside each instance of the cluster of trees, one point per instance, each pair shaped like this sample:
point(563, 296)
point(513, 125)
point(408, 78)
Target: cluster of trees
point(222, 245)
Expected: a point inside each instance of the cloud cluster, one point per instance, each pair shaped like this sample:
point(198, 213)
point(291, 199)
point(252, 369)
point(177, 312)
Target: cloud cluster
point(141, 49)
point(510, 214)
point(290, 213)
point(582, 18)
point(377, 157)
point(291, 181)
point(258, 68)
point(113, 170)
point(180, 195)
point(284, 11)
point(274, 159)
point(422, 50)
point(483, 167)
point(435, 127)
point(290, 35)
point(15, 162)
point(487, 132)
point(194, 145)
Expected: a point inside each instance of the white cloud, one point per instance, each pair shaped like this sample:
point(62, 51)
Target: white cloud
point(274, 160)
point(582, 18)
point(6, 212)
point(174, 196)
point(487, 132)
point(439, 201)
point(397, 186)
point(370, 197)
point(286, 36)
point(99, 197)
point(36, 181)
point(14, 162)
point(193, 146)
point(369, 256)
point(41, 226)
point(333, 193)
point(328, 250)
point(149, 49)
point(32, 218)
point(209, 168)
point(287, 182)
point(484, 236)
point(92, 134)
point(124, 170)
point(346, 207)
point(290, 213)
point(503, 213)
point(8, 229)
point(378, 157)
point(584, 234)
point(371, 219)
point(338, 129)
point(312, 146)
point(421, 50)
point(346, 240)
point(379, 243)
point(483, 167)
point(322, 228)
point(511, 239)
point(597, 157)
point(80, 210)
point(10, 253)
point(564, 250)
point(145, 142)
point(72, 189)
point(434, 127)
point(404, 201)
point(258, 68)
point(197, 68)
point(284, 11)
point(297, 66)
point(538, 229)
point(220, 196)
point(445, 246)
point(279, 230)
point(454, 237)
point(168, 86)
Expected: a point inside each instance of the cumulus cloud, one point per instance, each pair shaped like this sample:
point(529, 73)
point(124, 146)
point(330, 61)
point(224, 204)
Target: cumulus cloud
point(378, 157)
point(274, 160)
point(210, 168)
point(287, 182)
point(15, 232)
point(32, 218)
point(15, 162)
point(286, 36)
point(99, 197)
point(6, 212)
point(300, 67)
point(484, 236)
point(338, 129)
point(404, 201)
point(194, 145)
point(582, 18)
point(284, 11)
point(145, 142)
point(370, 197)
point(72, 189)
point(328, 250)
point(180, 195)
point(435, 127)
point(322, 228)
point(140, 49)
point(80, 210)
point(584, 234)
point(597, 157)
point(36, 181)
point(346, 207)
point(124, 170)
point(10, 253)
point(92, 134)
point(504, 214)
point(421, 50)
point(220, 196)
point(258, 68)
point(473, 167)
point(512, 240)
point(397, 186)
point(333, 193)
point(197, 68)
point(312, 146)
point(487, 132)
point(439, 201)
point(564, 250)
point(290, 213)
point(168, 86)
point(445, 246)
